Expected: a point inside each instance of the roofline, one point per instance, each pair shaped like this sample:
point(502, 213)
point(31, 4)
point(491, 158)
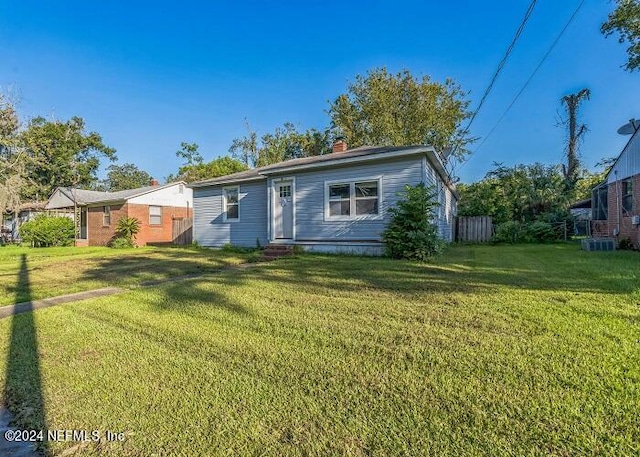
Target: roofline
point(164, 186)
point(263, 173)
point(226, 181)
point(109, 200)
point(606, 178)
point(409, 150)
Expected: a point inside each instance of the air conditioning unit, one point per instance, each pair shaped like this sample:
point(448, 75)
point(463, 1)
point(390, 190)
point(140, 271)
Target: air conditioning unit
point(599, 244)
point(635, 220)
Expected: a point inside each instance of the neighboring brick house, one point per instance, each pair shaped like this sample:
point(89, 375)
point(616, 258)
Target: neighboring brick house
point(616, 201)
point(97, 213)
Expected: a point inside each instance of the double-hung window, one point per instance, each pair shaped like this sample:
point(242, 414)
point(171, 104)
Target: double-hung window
point(352, 199)
point(155, 215)
point(231, 203)
point(106, 216)
point(627, 196)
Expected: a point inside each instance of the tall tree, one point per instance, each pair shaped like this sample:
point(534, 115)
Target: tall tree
point(381, 108)
point(285, 143)
point(12, 158)
point(127, 176)
point(189, 152)
point(245, 148)
point(575, 133)
point(625, 20)
point(61, 154)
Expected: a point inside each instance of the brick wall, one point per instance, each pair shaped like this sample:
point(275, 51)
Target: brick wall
point(627, 230)
point(155, 233)
point(100, 234)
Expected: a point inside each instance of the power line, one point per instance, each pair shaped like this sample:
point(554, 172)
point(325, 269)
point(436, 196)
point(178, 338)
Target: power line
point(522, 89)
point(501, 64)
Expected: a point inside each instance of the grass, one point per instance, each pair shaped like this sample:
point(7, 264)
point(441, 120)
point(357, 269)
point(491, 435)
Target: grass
point(63, 270)
point(492, 350)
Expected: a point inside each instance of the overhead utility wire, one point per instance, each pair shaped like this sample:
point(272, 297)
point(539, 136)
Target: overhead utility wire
point(501, 64)
point(544, 58)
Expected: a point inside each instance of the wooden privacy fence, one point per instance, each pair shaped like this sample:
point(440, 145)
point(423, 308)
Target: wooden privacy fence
point(182, 231)
point(474, 229)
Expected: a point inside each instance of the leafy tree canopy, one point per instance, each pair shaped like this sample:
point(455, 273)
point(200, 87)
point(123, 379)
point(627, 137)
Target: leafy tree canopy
point(12, 159)
point(625, 21)
point(195, 169)
point(384, 109)
point(123, 177)
point(61, 154)
point(520, 193)
point(284, 143)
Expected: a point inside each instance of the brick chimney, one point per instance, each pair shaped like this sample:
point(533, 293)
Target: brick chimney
point(154, 183)
point(340, 145)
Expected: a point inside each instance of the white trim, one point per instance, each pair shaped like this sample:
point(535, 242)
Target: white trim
point(271, 213)
point(352, 199)
point(224, 203)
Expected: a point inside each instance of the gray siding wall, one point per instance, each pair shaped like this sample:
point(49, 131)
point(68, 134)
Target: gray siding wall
point(628, 164)
point(310, 196)
point(209, 227)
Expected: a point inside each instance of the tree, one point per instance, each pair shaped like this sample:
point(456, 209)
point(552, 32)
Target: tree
point(411, 233)
point(12, 158)
point(575, 133)
point(123, 177)
point(397, 110)
point(285, 143)
point(194, 168)
point(221, 166)
point(61, 154)
point(190, 153)
point(625, 20)
point(522, 193)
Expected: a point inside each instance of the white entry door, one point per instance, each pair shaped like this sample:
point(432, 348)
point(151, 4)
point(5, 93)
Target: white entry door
point(283, 211)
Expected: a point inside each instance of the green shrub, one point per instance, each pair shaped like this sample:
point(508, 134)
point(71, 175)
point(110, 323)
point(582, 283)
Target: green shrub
point(541, 232)
point(127, 228)
point(411, 233)
point(510, 232)
point(45, 230)
point(121, 242)
point(625, 244)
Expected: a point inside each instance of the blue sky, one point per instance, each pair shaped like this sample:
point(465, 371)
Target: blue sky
point(149, 75)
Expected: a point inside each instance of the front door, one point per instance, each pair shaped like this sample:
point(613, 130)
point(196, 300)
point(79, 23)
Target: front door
point(283, 211)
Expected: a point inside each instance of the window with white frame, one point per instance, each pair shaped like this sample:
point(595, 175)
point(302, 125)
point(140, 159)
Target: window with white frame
point(352, 199)
point(155, 215)
point(106, 216)
point(231, 203)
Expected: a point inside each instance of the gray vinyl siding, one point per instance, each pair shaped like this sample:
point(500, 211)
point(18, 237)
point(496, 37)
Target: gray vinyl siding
point(310, 195)
point(210, 228)
point(628, 163)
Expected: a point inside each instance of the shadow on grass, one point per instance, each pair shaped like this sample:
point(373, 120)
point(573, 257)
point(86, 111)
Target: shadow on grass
point(23, 380)
point(168, 263)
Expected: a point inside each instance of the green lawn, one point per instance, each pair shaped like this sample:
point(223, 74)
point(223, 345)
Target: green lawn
point(63, 270)
point(492, 350)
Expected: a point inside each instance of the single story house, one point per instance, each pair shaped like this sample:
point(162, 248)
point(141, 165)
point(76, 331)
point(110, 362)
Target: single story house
point(97, 213)
point(615, 203)
point(337, 202)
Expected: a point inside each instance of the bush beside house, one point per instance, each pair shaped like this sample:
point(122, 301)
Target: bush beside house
point(45, 230)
